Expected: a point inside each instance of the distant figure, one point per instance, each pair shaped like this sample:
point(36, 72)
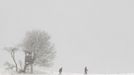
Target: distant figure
point(85, 70)
point(60, 71)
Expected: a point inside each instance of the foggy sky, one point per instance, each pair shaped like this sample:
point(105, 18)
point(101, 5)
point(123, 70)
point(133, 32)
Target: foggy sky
point(98, 34)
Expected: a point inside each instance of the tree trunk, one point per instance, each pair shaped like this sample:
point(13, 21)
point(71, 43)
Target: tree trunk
point(31, 68)
point(13, 57)
point(16, 65)
point(25, 67)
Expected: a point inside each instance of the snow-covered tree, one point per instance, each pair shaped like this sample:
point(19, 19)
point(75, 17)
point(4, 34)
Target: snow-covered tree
point(38, 49)
point(12, 51)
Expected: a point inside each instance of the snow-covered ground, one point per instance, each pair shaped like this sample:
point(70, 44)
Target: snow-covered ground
point(4, 72)
point(56, 73)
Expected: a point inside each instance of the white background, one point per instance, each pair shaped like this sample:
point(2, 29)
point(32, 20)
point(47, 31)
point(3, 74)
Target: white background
point(94, 33)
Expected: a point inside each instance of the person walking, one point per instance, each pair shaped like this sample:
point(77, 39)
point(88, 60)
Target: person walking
point(60, 71)
point(85, 70)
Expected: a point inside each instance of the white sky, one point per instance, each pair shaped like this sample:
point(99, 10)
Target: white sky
point(94, 33)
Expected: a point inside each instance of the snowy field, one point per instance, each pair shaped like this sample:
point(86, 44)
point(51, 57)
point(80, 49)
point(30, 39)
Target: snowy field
point(63, 74)
point(3, 72)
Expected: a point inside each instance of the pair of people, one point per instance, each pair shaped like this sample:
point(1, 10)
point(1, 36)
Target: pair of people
point(85, 70)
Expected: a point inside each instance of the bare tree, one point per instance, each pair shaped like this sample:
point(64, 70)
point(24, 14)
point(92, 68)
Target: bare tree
point(38, 49)
point(12, 51)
